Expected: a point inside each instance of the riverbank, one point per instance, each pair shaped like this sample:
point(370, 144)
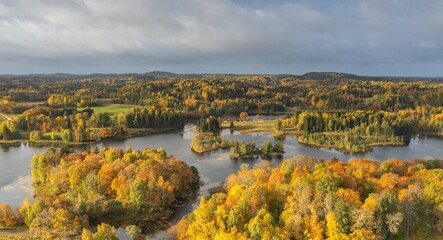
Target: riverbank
point(15, 233)
point(257, 154)
point(11, 143)
point(132, 133)
point(436, 135)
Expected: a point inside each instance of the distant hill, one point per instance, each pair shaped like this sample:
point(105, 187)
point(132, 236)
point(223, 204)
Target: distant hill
point(56, 75)
point(170, 75)
point(42, 75)
point(161, 74)
point(337, 75)
point(327, 75)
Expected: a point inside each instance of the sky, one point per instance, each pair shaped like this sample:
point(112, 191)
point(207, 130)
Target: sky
point(366, 37)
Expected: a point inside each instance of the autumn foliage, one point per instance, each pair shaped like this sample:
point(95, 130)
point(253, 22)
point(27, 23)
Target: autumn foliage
point(306, 198)
point(75, 191)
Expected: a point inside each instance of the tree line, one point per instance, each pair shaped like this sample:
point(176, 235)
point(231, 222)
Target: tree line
point(71, 125)
point(231, 94)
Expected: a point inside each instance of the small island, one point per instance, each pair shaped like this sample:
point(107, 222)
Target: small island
point(208, 143)
point(207, 136)
point(249, 150)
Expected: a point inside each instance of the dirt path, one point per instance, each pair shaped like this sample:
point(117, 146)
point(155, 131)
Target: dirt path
point(15, 234)
point(5, 117)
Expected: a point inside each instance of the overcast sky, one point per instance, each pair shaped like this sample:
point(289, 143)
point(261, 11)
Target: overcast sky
point(373, 37)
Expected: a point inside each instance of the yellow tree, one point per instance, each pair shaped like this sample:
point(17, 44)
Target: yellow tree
point(244, 116)
point(331, 225)
point(7, 216)
point(62, 221)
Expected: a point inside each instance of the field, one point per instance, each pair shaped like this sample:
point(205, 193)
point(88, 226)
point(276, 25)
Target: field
point(106, 105)
point(264, 126)
point(252, 126)
point(111, 109)
point(14, 116)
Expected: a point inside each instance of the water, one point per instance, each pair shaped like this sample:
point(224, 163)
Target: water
point(214, 167)
point(15, 169)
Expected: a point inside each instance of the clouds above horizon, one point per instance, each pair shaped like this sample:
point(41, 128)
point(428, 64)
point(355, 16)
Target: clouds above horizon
point(373, 37)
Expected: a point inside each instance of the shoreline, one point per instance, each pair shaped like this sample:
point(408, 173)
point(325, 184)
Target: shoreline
point(346, 151)
point(40, 143)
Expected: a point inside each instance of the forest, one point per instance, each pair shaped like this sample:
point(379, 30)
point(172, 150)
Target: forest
point(88, 194)
point(76, 192)
point(76, 109)
point(307, 198)
point(358, 131)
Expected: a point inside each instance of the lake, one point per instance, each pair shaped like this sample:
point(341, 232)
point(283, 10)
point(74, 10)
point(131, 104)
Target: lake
point(214, 167)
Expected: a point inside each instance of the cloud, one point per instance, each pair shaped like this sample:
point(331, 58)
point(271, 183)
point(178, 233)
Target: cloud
point(368, 37)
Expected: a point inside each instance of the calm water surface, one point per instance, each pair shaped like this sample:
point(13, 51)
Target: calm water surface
point(214, 167)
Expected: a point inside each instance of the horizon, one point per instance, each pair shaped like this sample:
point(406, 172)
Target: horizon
point(214, 73)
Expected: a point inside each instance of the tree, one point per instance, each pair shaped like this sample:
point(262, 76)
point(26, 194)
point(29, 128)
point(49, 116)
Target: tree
point(244, 116)
point(342, 216)
point(261, 226)
point(5, 132)
point(36, 135)
point(66, 135)
point(137, 194)
point(7, 216)
point(62, 221)
point(105, 231)
point(135, 232)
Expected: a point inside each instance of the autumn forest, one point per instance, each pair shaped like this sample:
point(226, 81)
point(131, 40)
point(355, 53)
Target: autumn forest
point(84, 192)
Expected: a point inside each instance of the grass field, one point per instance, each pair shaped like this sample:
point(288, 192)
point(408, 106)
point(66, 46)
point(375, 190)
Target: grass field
point(106, 105)
point(111, 108)
point(265, 126)
point(14, 116)
point(252, 126)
